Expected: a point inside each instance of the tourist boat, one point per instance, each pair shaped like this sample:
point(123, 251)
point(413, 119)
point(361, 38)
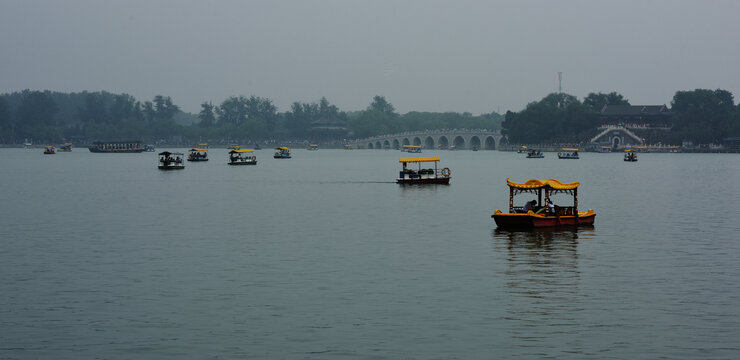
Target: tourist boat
point(605, 149)
point(242, 157)
point(198, 154)
point(543, 216)
point(27, 144)
point(149, 148)
point(674, 149)
point(535, 154)
point(235, 147)
point(643, 148)
point(203, 145)
point(282, 153)
point(67, 147)
point(522, 149)
point(348, 147)
point(411, 148)
point(630, 155)
point(312, 147)
point(568, 153)
point(423, 176)
point(171, 161)
point(116, 147)
point(453, 148)
point(49, 150)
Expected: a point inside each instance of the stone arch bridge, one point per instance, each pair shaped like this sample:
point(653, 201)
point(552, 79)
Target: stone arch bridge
point(445, 139)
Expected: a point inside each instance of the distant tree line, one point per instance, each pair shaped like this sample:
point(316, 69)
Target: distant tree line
point(50, 117)
point(702, 116)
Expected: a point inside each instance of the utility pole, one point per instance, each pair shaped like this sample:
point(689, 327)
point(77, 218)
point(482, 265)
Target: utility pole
point(560, 82)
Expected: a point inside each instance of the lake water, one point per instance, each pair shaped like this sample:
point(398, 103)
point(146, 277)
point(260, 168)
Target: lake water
point(323, 256)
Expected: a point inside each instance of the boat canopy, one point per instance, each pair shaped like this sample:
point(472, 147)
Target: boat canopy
point(282, 148)
point(539, 184)
point(312, 145)
point(167, 153)
point(198, 149)
point(419, 159)
point(412, 146)
point(241, 151)
point(629, 150)
point(570, 149)
point(49, 147)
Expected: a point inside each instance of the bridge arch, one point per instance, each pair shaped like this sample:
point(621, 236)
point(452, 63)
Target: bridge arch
point(474, 142)
point(443, 143)
point(370, 146)
point(459, 142)
point(429, 143)
point(490, 143)
point(386, 144)
point(417, 141)
point(406, 141)
point(378, 145)
point(396, 144)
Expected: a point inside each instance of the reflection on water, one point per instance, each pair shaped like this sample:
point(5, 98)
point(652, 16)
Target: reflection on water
point(542, 284)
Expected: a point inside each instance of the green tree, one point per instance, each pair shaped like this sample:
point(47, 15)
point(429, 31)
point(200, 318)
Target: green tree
point(703, 115)
point(206, 115)
point(558, 117)
point(595, 102)
point(35, 117)
point(382, 105)
point(6, 122)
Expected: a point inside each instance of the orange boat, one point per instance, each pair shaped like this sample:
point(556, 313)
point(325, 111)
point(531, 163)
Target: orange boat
point(534, 216)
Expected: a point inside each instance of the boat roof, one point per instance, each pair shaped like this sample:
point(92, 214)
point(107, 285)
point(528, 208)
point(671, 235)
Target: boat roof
point(198, 149)
point(606, 147)
point(414, 146)
point(241, 151)
point(165, 153)
point(629, 150)
point(570, 149)
point(49, 147)
point(537, 184)
point(312, 145)
point(419, 159)
point(282, 148)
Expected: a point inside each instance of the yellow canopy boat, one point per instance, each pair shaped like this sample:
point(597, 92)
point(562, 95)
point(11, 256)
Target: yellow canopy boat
point(535, 213)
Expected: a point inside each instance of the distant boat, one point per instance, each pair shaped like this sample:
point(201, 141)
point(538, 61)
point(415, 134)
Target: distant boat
point(423, 176)
point(171, 161)
point(282, 153)
point(312, 147)
point(198, 154)
point(49, 150)
point(568, 153)
point(411, 148)
point(67, 147)
point(535, 154)
point(630, 155)
point(149, 148)
point(116, 147)
point(242, 157)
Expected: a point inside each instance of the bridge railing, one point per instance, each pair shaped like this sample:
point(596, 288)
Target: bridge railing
point(430, 132)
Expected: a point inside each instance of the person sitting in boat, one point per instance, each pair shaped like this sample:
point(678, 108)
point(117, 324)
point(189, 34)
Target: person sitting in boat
point(550, 207)
point(529, 205)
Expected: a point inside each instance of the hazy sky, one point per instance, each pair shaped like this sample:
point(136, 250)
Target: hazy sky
point(476, 56)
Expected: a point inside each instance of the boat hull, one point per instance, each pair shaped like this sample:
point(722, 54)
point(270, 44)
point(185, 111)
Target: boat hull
point(171, 167)
point(197, 159)
point(532, 220)
point(281, 157)
point(440, 180)
point(243, 163)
